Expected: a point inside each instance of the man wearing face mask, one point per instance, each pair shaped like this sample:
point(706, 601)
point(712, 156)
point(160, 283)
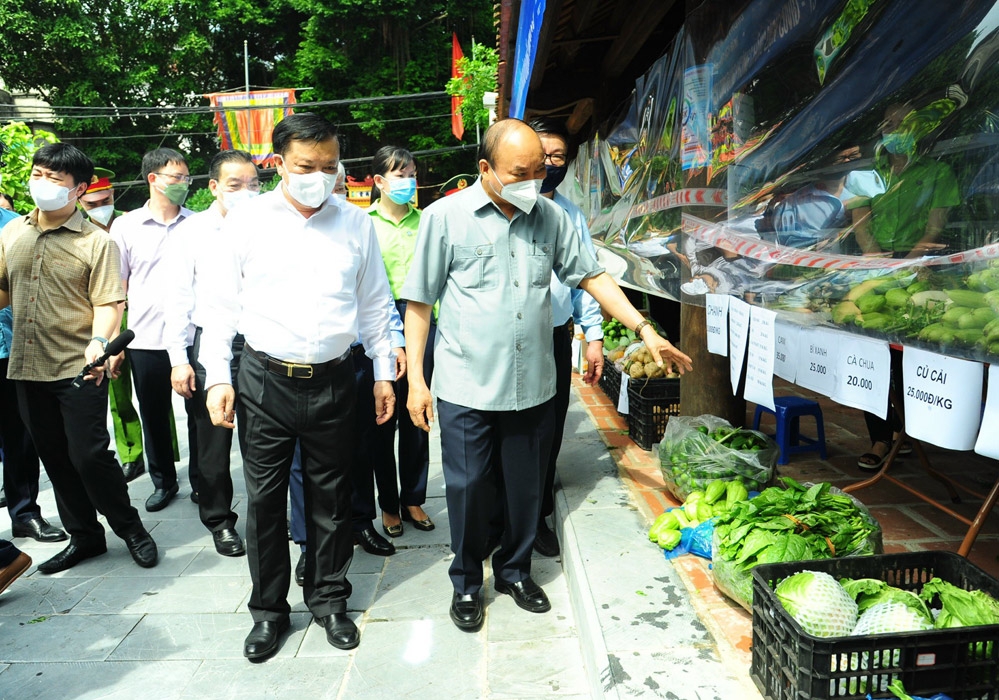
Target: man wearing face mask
point(233, 180)
point(568, 305)
point(60, 275)
point(301, 274)
point(142, 236)
point(98, 204)
point(487, 254)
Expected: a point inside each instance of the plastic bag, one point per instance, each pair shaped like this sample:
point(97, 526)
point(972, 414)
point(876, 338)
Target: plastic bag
point(736, 581)
point(691, 459)
point(694, 540)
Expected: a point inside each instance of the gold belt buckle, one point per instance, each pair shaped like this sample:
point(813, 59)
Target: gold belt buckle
point(292, 366)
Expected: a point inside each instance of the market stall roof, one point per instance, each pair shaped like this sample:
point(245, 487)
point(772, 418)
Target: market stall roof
point(589, 54)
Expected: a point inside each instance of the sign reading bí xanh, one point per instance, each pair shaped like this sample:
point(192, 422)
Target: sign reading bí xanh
point(863, 373)
point(760, 362)
point(716, 311)
point(817, 353)
point(738, 332)
point(943, 398)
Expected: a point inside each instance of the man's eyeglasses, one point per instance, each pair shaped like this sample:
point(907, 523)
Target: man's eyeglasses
point(556, 159)
point(177, 178)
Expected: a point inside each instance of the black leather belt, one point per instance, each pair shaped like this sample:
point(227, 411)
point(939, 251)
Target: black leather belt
point(295, 370)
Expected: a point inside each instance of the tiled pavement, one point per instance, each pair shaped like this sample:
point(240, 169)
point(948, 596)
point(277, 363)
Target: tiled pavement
point(624, 623)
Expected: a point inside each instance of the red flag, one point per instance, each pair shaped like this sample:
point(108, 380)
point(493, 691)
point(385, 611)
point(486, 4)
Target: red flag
point(457, 123)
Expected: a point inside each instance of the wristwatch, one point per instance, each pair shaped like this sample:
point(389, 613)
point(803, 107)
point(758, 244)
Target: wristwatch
point(102, 341)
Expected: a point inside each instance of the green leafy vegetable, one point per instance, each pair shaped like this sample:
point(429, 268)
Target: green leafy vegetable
point(818, 603)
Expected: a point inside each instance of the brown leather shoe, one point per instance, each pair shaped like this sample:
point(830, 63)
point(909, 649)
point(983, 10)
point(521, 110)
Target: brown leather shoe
point(9, 573)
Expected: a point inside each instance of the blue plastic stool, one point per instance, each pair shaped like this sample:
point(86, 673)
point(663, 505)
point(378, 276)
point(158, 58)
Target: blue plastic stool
point(788, 414)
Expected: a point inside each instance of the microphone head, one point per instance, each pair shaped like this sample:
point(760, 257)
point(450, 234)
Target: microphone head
point(120, 343)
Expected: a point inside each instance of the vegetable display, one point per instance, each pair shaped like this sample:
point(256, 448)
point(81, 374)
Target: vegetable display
point(700, 506)
point(788, 524)
point(944, 311)
point(823, 607)
point(696, 451)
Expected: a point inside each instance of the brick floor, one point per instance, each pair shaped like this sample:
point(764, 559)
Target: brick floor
point(908, 523)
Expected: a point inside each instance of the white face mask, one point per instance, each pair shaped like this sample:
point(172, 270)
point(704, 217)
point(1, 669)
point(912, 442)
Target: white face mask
point(48, 196)
point(101, 215)
point(310, 189)
point(230, 200)
point(523, 194)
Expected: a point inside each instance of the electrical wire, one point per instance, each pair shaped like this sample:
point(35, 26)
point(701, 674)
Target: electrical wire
point(214, 133)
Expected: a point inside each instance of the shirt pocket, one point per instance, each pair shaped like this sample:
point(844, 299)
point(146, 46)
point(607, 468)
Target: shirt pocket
point(539, 264)
point(474, 266)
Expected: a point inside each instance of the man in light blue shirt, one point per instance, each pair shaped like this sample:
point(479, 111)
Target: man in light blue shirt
point(568, 306)
point(487, 254)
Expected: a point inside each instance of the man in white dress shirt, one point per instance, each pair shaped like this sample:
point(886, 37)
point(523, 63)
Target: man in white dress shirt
point(142, 237)
point(302, 276)
point(232, 179)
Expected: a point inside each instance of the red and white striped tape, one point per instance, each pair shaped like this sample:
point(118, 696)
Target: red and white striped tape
point(725, 238)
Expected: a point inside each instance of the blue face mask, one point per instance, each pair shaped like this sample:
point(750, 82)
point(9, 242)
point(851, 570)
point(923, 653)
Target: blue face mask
point(899, 143)
point(554, 174)
point(402, 190)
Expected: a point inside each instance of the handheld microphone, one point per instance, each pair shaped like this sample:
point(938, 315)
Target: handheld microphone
point(113, 348)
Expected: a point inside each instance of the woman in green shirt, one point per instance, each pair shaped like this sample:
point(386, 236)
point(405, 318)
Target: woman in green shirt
point(396, 220)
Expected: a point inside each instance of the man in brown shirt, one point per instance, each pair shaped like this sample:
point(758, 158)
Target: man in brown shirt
point(60, 273)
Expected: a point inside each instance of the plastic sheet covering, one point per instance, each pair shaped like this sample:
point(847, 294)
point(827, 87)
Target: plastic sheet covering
point(834, 160)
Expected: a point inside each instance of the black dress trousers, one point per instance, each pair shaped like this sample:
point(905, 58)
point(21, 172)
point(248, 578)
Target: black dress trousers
point(212, 445)
point(273, 412)
point(20, 460)
point(563, 383)
point(470, 441)
point(69, 428)
point(151, 378)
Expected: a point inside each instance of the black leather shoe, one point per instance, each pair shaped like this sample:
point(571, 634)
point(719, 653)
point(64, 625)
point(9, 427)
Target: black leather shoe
point(526, 594)
point(133, 469)
point(426, 524)
point(466, 611)
point(262, 641)
point(228, 542)
point(195, 498)
point(38, 529)
point(161, 498)
point(142, 548)
point(300, 570)
point(545, 541)
point(373, 543)
point(71, 556)
point(341, 632)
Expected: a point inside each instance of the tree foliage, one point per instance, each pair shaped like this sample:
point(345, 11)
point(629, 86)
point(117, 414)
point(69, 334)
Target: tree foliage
point(478, 76)
point(21, 146)
point(105, 60)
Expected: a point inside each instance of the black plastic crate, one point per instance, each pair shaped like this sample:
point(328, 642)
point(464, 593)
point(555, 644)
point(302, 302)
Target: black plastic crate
point(650, 404)
point(788, 662)
point(610, 381)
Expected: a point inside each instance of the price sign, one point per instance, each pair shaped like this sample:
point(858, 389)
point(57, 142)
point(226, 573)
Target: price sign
point(738, 332)
point(716, 310)
point(760, 363)
point(786, 346)
point(863, 374)
point(622, 395)
point(988, 440)
point(943, 398)
point(817, 353)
